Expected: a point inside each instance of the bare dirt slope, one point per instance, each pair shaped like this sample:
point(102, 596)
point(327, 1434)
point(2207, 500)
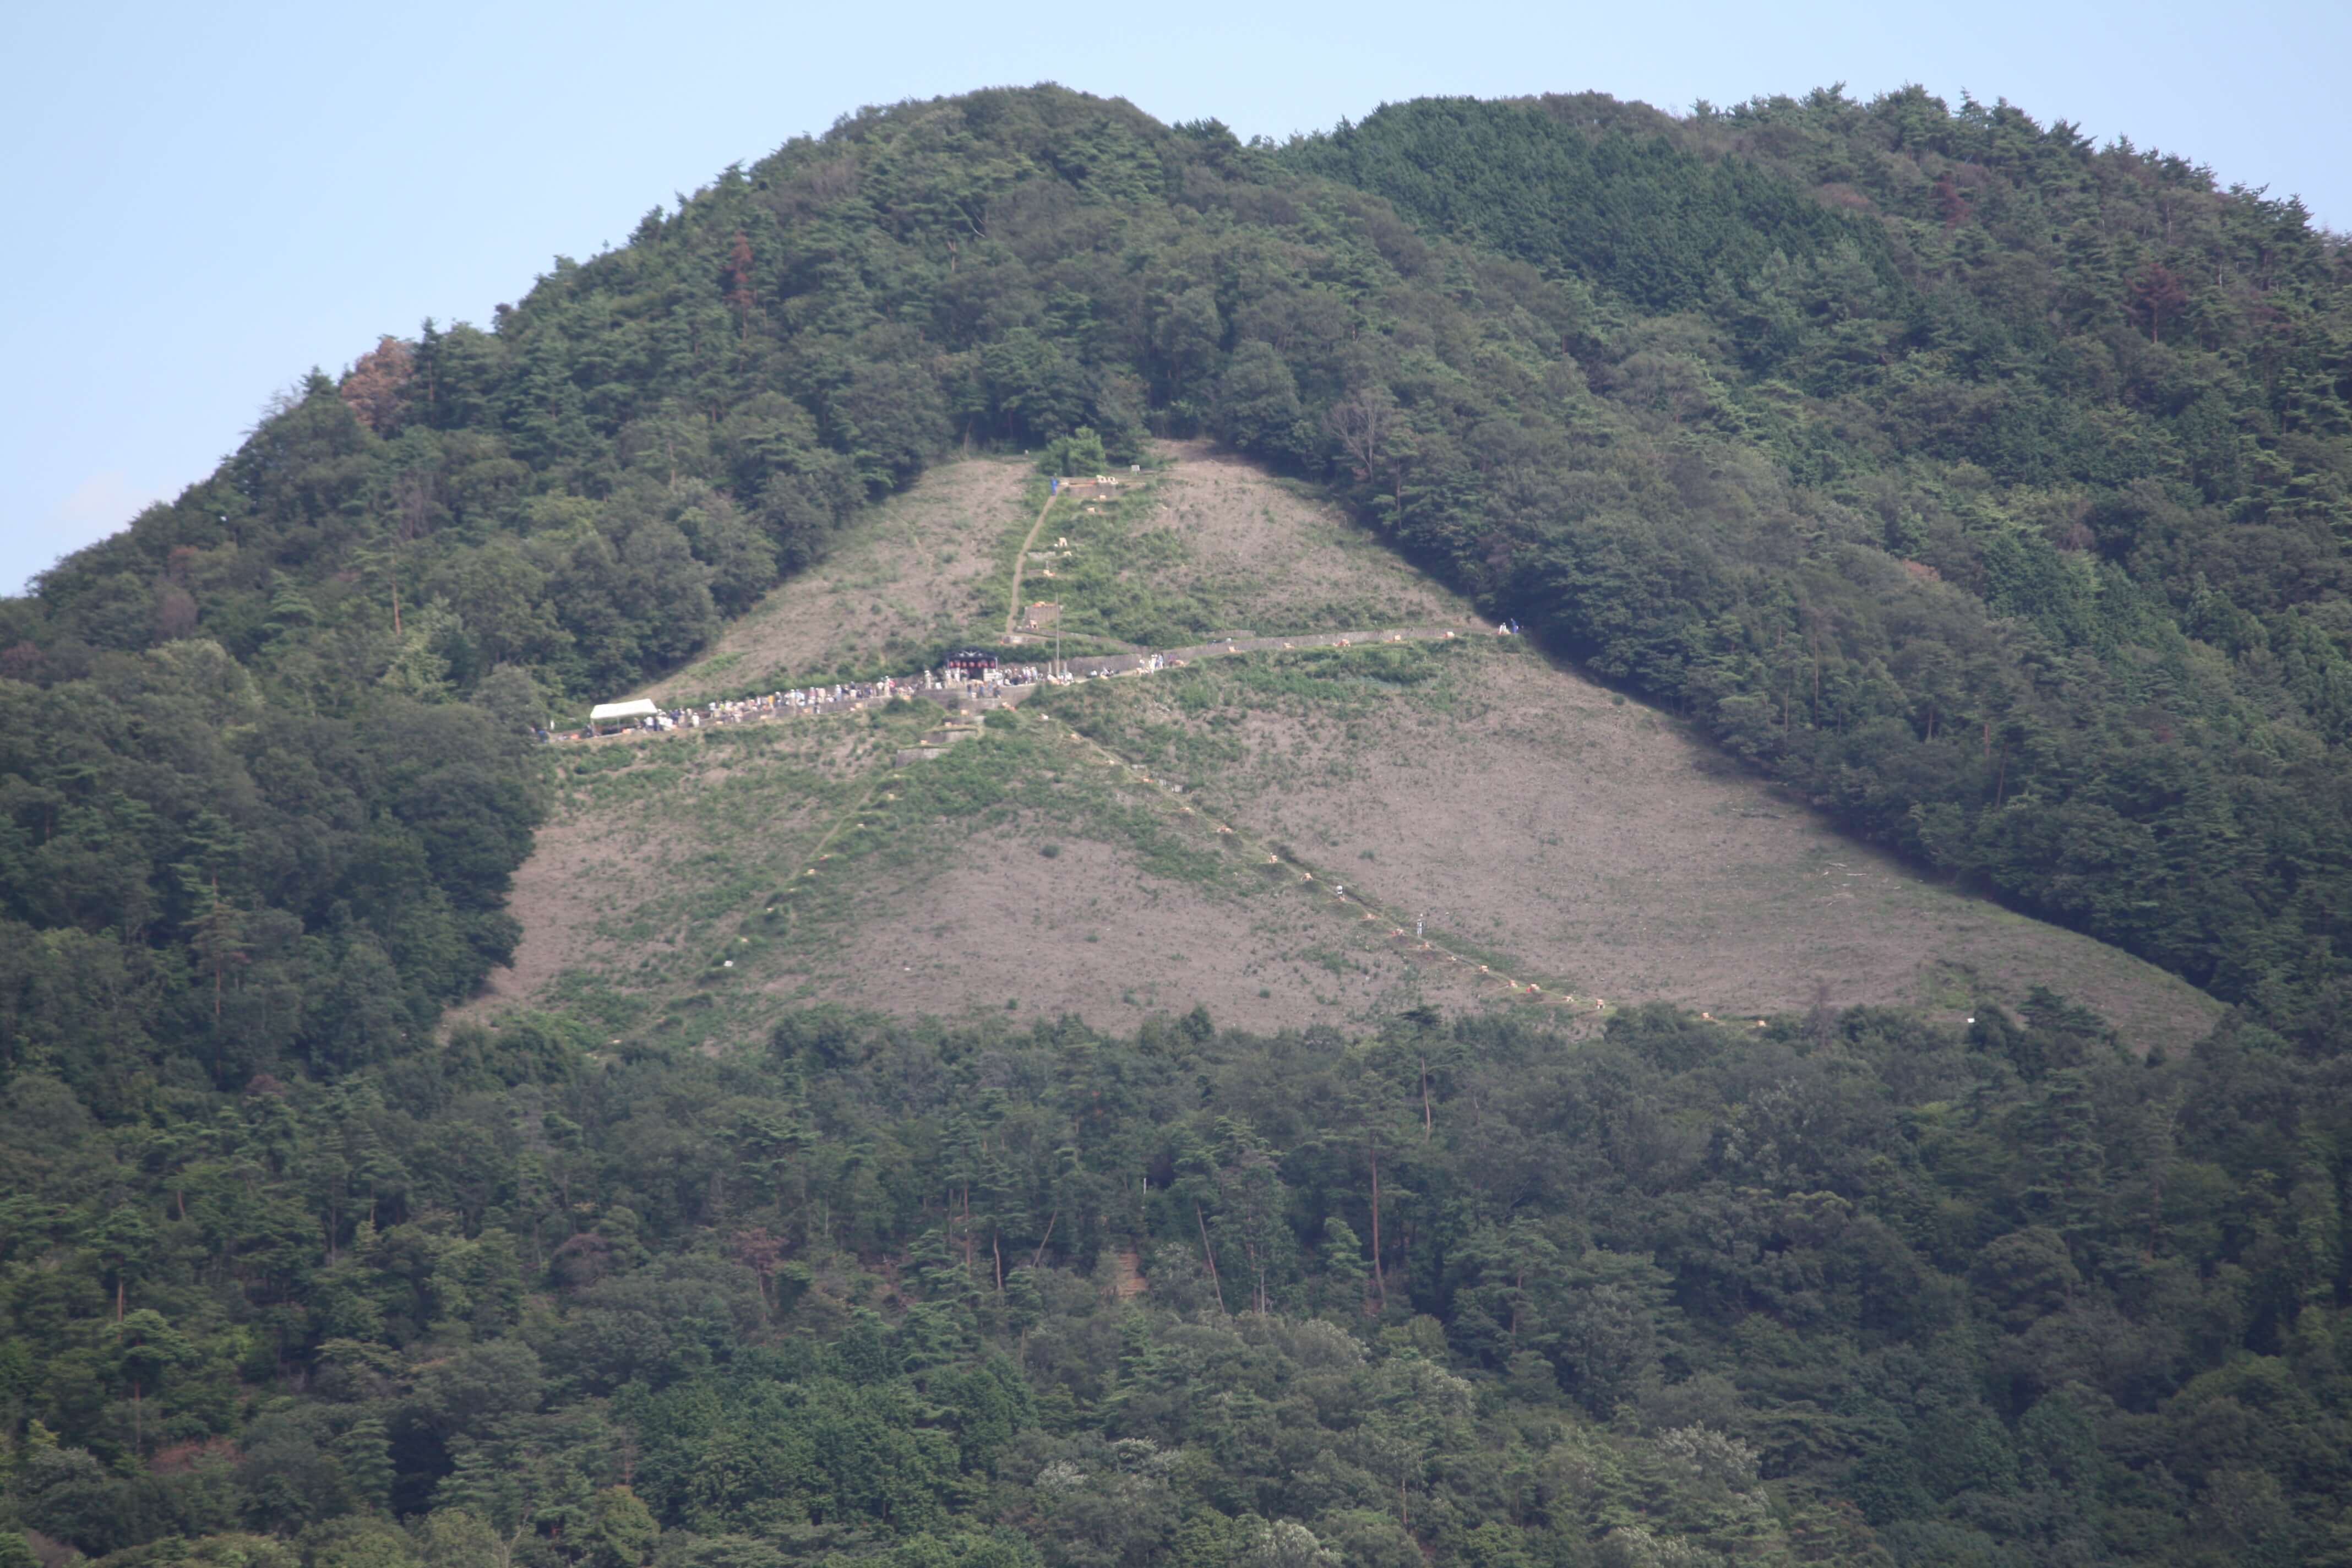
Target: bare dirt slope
point(653, 846)
point(1092, 933)
point(697, 886)
point(903, 579)
point(1533, 812)
point(1275, 560)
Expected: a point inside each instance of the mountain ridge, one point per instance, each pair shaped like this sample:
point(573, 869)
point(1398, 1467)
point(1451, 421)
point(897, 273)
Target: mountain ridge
point(1984, 487)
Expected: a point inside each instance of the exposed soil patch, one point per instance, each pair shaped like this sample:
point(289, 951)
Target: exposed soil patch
point(1089, 931)
point(1529, 811)
point(1535, 820)
point(553, 898)
point(642, 841)
point(1277, 561)
point(898, 583)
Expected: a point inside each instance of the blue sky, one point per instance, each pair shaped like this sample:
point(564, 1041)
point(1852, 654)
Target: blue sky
point(210, 200)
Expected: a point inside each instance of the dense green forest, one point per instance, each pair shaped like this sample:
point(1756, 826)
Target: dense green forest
point(1860, 348)
point(1852, 1289)
point(1984, 484)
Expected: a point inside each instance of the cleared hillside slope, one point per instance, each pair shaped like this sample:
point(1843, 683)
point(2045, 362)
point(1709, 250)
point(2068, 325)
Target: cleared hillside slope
point(1219, 547)
point(1536, 822)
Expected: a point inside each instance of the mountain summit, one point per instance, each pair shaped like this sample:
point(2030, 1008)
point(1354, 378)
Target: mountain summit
point(1532, 834)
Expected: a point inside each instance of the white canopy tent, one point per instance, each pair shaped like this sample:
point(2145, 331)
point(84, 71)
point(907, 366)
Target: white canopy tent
point(616, 712)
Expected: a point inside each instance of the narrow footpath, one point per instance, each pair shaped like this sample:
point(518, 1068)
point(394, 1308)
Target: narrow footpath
point(720, 715)
point(1020, 563)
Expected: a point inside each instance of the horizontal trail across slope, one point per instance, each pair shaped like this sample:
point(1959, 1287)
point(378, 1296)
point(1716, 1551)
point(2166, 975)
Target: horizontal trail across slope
point(1102, 665)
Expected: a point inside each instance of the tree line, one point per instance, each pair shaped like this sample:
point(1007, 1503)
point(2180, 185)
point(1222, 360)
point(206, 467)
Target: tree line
point(1979, 482)
point(1851, 1287)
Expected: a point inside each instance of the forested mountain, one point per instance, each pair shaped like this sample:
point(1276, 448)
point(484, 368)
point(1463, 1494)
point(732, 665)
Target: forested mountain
point(1984, 484)
point(1848, 1291)
point(2104, 402)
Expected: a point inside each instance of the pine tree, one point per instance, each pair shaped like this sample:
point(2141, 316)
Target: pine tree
point(363, 1453)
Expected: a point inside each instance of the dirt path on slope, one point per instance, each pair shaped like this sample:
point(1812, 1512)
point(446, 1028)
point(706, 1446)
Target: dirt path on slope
point(1021, 564)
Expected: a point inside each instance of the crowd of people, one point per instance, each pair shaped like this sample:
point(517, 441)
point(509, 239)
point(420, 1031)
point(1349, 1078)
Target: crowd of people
point(974, 673)
point(950, 681)
point(958, 677)
point(799, 700)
